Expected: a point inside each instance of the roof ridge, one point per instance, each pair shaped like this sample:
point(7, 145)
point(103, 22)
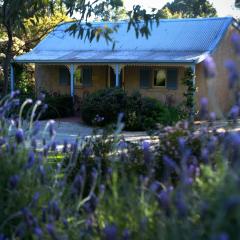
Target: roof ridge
point(161, 19)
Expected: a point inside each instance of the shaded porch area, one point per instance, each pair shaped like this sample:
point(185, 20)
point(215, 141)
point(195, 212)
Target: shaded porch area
point(163, 82)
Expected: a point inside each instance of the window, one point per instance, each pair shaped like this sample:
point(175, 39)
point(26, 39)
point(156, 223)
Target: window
point(83, 76)
point(160, 78)
point(64, 76)
point(145, 78)
point(78, 77)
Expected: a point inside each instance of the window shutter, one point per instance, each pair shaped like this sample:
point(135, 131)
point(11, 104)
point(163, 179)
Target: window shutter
point(64, 76)
point(172, 79)
point(87, 77)
point(145, 78)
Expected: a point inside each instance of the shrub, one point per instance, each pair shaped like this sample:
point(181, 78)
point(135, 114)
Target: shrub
point(141, 113)
point(59, 106)
point(103, 106)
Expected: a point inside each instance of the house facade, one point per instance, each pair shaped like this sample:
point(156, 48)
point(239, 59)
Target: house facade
point(155, 67)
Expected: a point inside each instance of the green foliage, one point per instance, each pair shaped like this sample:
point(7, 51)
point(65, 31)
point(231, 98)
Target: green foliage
point(190, 93)
point(59, 106)
point(24, 80)
point(141, 113)
point(106, 188)
point(102, 107)
point(192, 8)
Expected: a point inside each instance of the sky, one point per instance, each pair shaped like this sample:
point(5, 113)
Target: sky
point(224, 7)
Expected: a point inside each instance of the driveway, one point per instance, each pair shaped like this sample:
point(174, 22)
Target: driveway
point(68, 129)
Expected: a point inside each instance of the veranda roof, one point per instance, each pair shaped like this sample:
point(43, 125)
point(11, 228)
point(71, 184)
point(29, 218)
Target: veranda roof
point(172, 41)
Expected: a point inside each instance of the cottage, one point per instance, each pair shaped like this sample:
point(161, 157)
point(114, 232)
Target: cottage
point(155, 66)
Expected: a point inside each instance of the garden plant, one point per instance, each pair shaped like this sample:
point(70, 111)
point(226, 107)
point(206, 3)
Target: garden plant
point(184, 186)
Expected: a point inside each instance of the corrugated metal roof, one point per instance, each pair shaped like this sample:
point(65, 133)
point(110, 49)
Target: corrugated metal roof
point(173, 40)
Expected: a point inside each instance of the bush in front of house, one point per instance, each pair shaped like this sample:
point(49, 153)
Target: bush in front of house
point(141, 113)
point(102, 107)
point(59, 106)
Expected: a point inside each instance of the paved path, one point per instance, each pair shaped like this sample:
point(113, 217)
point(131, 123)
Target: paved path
point(70, 130)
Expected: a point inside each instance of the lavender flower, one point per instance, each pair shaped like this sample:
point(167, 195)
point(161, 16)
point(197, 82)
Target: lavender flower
point(233, 74)
point(210, 70)
point(234, 113)
point(235, 40)
point(31, 160)
point(145, 145)
point(13, 181)
point(110, 232)
point(203, 108)
point(35, 198)
point(91, 205)
point(19, 136)
point(51, 231)
point(126, 234)
point(38, 232)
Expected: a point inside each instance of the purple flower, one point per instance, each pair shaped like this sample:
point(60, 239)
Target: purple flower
point(45, 150)
point(222, 236)
point(87, 151)
point(122, 144)
point(234, 112)
point(164, 200)
point(19, 136)
point(2, 237)
point(169, 162)
point(212, 116)
point(38, 232)
point(126, 234)
point(42, 96)
point(154, 187)
point(91, 205)
point(44, 215)
point(203, 107)
point(35, 198)
point(233, 74)
point(31, 160)
point(145, 145)
point(235, 40)
point(15, 93)
point(77, 184)
point(181, 205)
point(210, 70)
point(102, 188)
point(55, 210)
point(110, 232)
point(51, 231)
point(42, 173)
point(13, 181)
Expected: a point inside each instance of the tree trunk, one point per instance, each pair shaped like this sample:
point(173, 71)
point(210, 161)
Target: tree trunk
point(8, 58)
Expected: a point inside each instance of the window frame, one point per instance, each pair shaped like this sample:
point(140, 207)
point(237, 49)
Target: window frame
point(166, 84)
point(153, 76)
point(81, 83)
point(67, 83)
